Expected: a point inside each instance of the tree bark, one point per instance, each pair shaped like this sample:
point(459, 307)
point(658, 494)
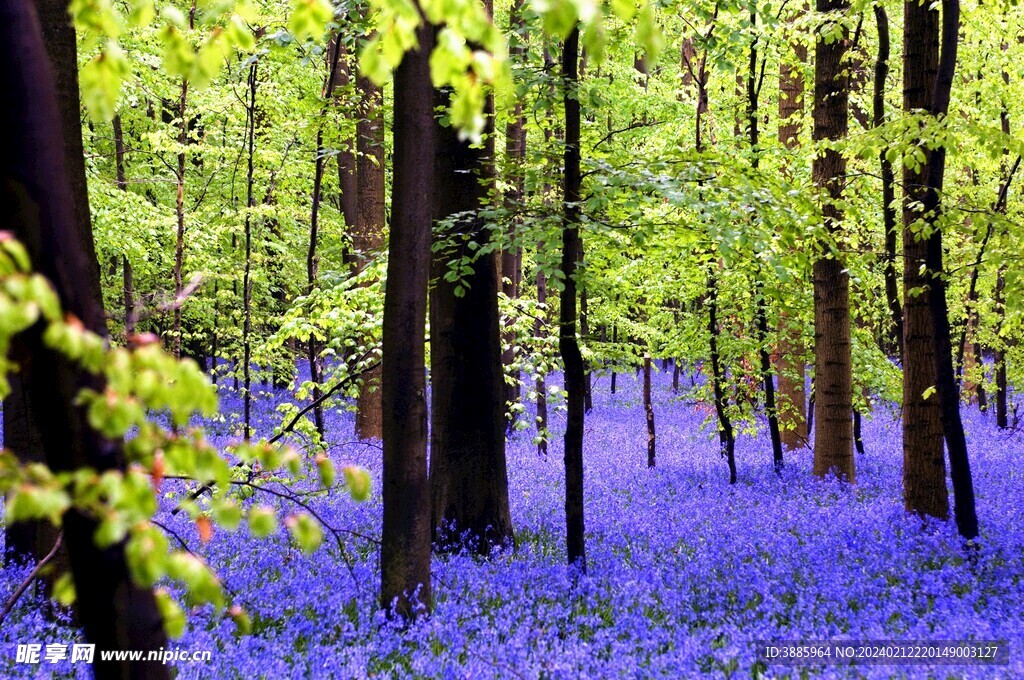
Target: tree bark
point(924, 467)
point(895, 336)
point(761, 307)
point(405, 538)
point(726, 438)
point(791, 365)
point(312, 257)
point(945, 378)
point(1002, 421)
point(37, 204)
point(649, 411)
point(568, 344)
point(540, 386)
point(833, 376)
point(515, 155)
point(468, 474)
point(368, 237)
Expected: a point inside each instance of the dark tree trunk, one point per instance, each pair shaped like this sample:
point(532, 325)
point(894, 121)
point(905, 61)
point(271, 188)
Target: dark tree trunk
point(726, 438)
point(1000, 353)
point(858, 440)
point(833, 372)
point(127, 285)
point(37, 204)
point(895, 336)
point(924, 467)
point(250, 202)
point(945, 378)
point(368, 237)
point(405, 537)
point(568, 344)
point(312, 257)
point(24, 540)
point(515, 156)
point(588, 384)
point(792, 403)
point(541, 384)
point(615, 340)
point(468, 474)
point(649, 411)
point(761, 313)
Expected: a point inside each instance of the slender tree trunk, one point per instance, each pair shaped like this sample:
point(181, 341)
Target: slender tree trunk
point(312, 258)
point(468, 473)
point(924, 467)
point(833, 372)
point(1002, 421)
point(649, 411)
point(945, 379)
point(615, 340)
point(726, 438)
point(405, 537)
point(127, 286)
point(895, 336)
point(515, 156)
point(250, 203)
point(568, 343)
point(761, 313)
point(179, 212)
point(37, 204)
point(588, 385)
point(792, 406)
point(540, 386)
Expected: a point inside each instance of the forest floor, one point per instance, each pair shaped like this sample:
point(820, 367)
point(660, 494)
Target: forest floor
point(686, 573)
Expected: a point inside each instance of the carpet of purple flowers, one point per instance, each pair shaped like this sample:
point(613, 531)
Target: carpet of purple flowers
point(685, 571)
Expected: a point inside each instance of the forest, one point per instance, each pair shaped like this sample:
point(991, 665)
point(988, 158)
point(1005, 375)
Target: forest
point(530, 339)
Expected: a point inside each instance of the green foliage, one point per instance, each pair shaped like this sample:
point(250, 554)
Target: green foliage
point(140, 383)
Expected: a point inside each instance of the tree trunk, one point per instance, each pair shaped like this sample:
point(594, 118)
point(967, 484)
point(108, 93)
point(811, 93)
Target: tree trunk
point(250, 203)
point(312, 258)
point(368, 237)
point(833, 373)
point(791, 365)
point(895, 336)
point(468, 474)
point(924, 467)
point(37, 202)
point(541, 384)
point(649, 411)
point(761, 307)
point(405, 537)
point(568, 344)
point(127, 285)
point(1002, 421)
point(515, 156)
point(945, 379)
point(588, 383)
point(726, 438)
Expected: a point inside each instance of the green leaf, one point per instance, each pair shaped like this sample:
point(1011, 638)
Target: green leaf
point(358, 481)
point(202, 583)
point(147, 555)
point(100, 81)
point(227, 513)
point(170, 612)
point(305, 531)
point(309, 18)
point(326, 470)
point(111, 530)
point(262, 521)
point(64, 589)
